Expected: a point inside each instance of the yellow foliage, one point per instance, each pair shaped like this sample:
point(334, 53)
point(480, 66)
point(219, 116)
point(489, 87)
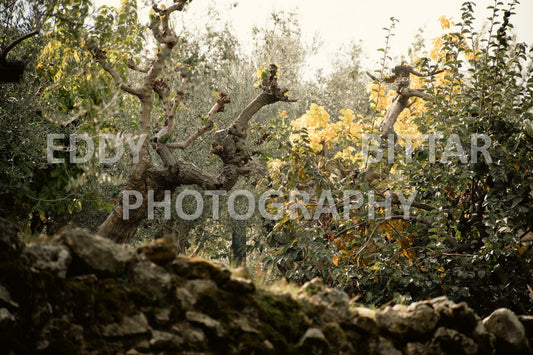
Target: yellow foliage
point(316, 121)
point(316, 117)
point(445, 23)
point(275, 164)
point(335, 260)
point(339, 243)
point(437, 53)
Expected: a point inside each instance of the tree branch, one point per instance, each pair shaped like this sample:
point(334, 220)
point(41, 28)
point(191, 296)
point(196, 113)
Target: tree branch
point(12, 45)
point(165, 34)
point(401, 77)
point(100, 56)
point(271, 93)
point(414, 92)
point(434, 72)
point(217, 107)
point(191, 139)
point(133, 66)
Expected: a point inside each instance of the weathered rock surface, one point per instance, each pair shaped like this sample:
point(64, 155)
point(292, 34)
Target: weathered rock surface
point(402, 321)
point(82, 294)
point(49, 257)
point(5, 298)
point(128, 326)
point(152, 278)
point(313, 342)
point(509, 332)
point(100, 255)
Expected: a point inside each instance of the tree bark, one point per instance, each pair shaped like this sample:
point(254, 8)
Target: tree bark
point(238, 243)
point(228, 144)
point(380, 170)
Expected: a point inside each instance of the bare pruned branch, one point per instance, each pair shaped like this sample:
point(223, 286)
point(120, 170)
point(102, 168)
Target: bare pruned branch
point(434, 72)
point(162, 89)
point(401, 78)
point(133, 66)
point(160, 27)
point(270, 85)
point(402, 71)
point(191, 139)
point(413, 93)
point(3, 54)
point(223, 99)
point(101, 57)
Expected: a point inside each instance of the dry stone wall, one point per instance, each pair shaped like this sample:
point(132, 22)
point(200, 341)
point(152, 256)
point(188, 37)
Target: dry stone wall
point(78, 293)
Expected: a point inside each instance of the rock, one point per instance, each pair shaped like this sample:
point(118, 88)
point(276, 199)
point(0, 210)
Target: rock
point(160, 251)
point(5, 298)
point(268, 345)
point(312, 287)
point(129, 326)
point(196, 289)
point(450, 341)
point(96, 253)
point(201, 286)
point(200, 268)
point(165, 341)
point(454, 315)
point(207, 323)
point(407, 321)
point(162, 317)
point(243, 324)
point(483, 338)
point(152, 278)
point(313, 342)
point(364, 319)
point(60, 333)
point(10, 243)
point(186, 298)
point(382, 346)
point(415, 349)
point(6, 318)
point(239, 285)
point(337, 338)
point(54, 258)
point(143, 346)
point(527, 322)
point(509, 332)
point(193, 337)
point(335, 302)
point(42, 313)
point(332, 298)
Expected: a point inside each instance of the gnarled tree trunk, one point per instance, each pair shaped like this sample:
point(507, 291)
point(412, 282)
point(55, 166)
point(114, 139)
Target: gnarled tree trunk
point(228, 144)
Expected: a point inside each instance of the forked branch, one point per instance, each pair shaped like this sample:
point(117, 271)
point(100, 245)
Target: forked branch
point(133, 66)
point(223, 99)
point(401, 77)
point(100, 56)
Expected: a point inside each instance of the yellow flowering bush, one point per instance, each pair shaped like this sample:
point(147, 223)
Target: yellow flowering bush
point(381, 259)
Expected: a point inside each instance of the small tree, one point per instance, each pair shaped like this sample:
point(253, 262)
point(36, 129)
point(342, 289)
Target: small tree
point(466, 233)
point(229, 144)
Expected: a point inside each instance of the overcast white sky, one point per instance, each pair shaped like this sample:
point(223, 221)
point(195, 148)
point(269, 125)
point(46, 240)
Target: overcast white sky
point(338, 22)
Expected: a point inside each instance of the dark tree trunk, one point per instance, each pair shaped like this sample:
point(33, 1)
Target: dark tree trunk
point(238, 243)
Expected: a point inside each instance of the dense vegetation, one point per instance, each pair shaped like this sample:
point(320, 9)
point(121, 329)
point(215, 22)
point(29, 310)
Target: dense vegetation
point(468, 231)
